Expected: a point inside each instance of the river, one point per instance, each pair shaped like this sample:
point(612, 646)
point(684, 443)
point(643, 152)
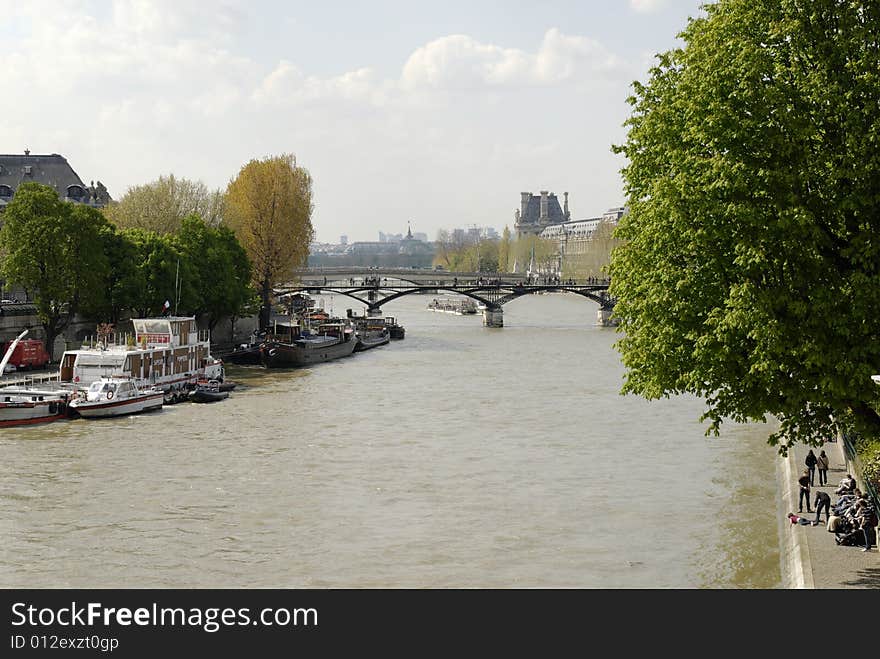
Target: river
point(461, 456)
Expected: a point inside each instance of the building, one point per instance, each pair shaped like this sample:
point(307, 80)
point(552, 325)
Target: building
point(575, 238)
point(536, 213)
point(52, 170)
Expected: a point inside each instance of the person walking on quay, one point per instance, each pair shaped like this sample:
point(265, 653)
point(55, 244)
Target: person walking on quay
point(822, 466)
point(804, 483)
point(823, 500)
point(810, 461)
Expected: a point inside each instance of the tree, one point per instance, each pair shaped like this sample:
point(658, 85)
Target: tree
point(54, 249)
point(750, 273)
point(504, 264)
point(221, 269)
point(161, 205)
point(164, 273)
point(269, 207)
point(123, 282)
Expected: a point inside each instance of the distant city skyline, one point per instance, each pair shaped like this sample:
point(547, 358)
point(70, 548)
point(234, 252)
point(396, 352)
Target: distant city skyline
point(439, 115)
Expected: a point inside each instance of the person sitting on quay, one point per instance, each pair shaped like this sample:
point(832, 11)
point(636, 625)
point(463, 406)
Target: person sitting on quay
point(847, 484)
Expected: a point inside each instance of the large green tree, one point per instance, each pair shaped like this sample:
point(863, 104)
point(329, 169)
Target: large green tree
point(221, 269)
point(750, 275)
point(54, 249)
point(269, 207)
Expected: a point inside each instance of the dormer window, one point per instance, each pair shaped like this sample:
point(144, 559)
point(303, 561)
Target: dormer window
point(27, 170)
point(5, 192)
point(75, 192)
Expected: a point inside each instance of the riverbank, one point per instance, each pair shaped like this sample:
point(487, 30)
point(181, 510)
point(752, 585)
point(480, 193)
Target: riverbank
point(810, 557)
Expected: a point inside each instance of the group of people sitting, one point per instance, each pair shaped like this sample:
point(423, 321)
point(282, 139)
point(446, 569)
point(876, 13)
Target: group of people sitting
point(852, 519)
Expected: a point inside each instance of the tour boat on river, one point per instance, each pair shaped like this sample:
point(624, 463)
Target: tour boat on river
point(116, 396)
point(460, 307)
point(170, 353)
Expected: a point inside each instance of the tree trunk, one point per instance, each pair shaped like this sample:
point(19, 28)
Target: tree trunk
point(266, 309)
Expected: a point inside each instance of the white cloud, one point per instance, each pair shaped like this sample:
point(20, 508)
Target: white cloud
point(459, 61)
point(152, 88)
point(648, 6)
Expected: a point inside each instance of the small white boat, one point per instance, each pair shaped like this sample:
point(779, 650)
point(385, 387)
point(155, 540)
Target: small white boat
point(116, 396)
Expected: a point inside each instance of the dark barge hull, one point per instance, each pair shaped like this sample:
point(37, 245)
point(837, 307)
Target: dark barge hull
point(367, 341)
point(276, 354)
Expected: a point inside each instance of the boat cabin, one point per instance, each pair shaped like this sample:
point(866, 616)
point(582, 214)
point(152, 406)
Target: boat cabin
point(108, 389)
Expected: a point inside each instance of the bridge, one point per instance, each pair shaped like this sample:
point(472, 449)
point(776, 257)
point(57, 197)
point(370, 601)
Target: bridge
point(373, 288)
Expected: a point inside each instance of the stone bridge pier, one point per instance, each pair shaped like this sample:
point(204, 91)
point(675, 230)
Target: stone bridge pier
point(493, 317)
point(605, 318)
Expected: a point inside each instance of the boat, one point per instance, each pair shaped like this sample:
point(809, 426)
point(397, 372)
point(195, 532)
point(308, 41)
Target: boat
point(303, 347)
point(116, 396)
point(20, 406)
point(371, 331)
point(371, 337)
point(396, 331)
point(25, 405)
point(208, 391)
point(169, 352)
point(247, 353)
point(460, 307)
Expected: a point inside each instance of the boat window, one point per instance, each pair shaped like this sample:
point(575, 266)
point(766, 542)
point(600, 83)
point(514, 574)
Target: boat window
point(96, 387)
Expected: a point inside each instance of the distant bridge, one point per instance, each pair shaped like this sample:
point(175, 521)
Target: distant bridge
point(374, 288)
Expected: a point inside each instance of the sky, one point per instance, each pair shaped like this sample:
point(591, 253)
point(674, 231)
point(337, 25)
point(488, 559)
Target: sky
point(435, 115)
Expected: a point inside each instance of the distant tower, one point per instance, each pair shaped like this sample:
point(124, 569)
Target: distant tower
point(565, 208)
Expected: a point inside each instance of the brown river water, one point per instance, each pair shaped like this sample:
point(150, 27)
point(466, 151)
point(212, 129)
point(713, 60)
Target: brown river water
point(461, 456)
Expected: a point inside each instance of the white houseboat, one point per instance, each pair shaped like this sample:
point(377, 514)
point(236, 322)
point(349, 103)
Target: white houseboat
point(170, 353)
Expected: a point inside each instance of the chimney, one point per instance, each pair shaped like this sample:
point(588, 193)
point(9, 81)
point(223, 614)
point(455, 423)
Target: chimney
point(524, 203)
point(565, 209)
point(544, 207)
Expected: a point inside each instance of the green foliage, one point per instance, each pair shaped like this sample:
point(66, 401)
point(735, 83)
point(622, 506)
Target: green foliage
point(164, 273)
point(123, 282)
point(750, 273)
point(220, 269)
point(534, 251)
point(504, 260)
point(590, 258)
point(481, 256)
point(162, 205)
point(54, 249)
